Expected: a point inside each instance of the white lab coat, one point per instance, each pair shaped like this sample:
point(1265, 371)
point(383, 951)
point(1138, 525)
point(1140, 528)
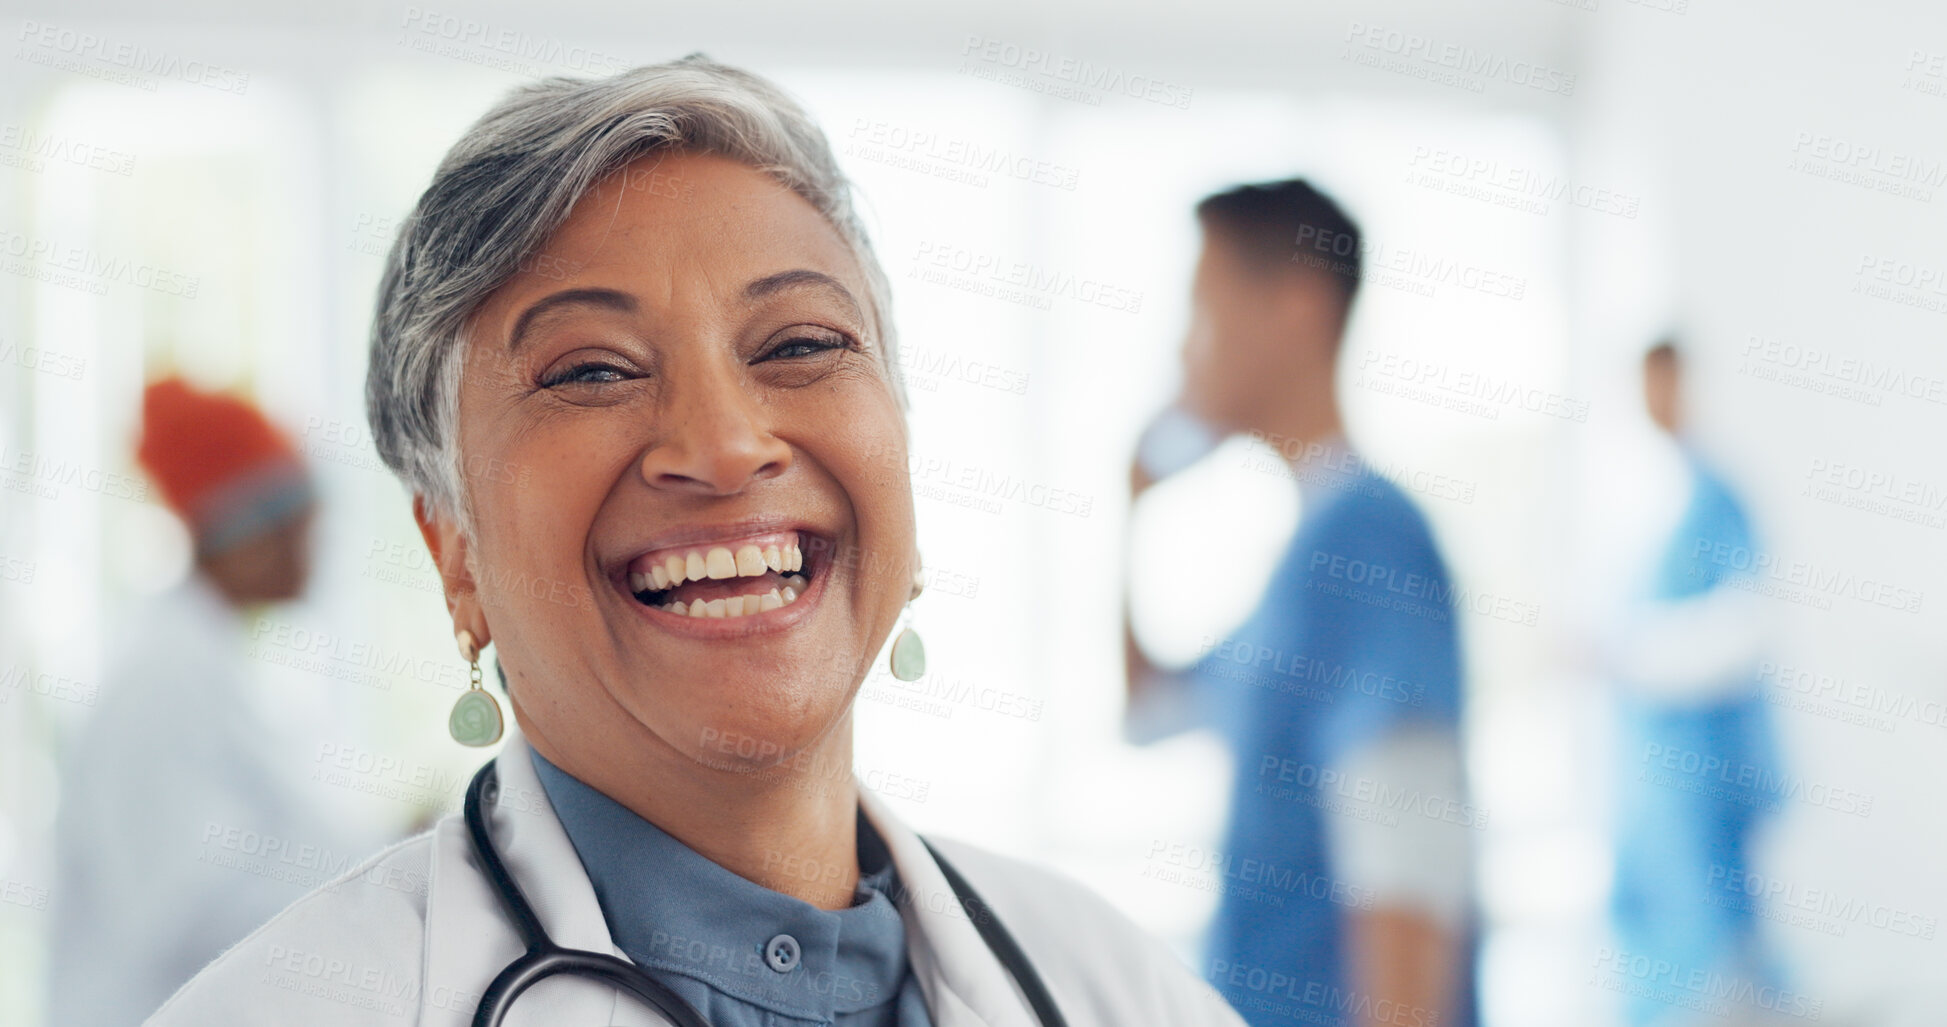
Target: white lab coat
point(416, 934)
point(170, 794)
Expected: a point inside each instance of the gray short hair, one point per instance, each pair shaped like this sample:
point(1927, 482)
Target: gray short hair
point(507, 185)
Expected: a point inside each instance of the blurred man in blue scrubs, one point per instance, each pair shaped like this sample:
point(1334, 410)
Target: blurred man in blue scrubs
point(1696, 748)
point(1345, 869)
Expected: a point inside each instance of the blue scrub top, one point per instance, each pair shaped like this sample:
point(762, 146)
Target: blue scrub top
point(1355, 637)
point(716, 939)
point(1713, 539)
point(1682, 838)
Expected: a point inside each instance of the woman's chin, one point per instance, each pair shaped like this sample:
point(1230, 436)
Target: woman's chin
point(747, 739)
point(750, 753)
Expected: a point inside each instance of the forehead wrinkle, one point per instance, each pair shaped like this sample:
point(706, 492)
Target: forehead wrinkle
point(601, 240)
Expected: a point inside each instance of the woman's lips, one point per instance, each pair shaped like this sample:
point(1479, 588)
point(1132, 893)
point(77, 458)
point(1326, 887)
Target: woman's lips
point(730, 586)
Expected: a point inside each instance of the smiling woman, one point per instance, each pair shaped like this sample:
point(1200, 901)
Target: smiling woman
point(702, 384)
point(649, 295)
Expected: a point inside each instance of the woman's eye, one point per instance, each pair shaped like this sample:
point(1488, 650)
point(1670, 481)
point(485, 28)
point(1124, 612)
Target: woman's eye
point(803, 346)
point(588, 373)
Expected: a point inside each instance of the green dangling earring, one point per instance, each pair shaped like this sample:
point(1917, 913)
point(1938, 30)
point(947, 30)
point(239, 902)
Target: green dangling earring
point(475, 719)
point(908, 652)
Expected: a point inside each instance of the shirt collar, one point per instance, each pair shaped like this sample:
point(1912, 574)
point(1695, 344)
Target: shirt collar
point(670, 908)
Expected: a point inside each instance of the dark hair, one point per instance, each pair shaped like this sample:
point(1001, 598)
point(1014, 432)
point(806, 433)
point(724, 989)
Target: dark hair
point(1287, 225)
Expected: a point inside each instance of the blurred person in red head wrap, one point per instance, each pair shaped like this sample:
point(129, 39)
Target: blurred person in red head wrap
point(181, 825)
point(238, 484)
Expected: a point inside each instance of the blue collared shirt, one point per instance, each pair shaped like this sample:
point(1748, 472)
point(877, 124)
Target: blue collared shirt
point(742, 954)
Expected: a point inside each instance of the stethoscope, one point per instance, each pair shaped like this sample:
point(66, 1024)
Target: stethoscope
point(545, 959)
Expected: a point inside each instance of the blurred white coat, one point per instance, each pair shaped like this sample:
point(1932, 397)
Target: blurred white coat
point(178, 828)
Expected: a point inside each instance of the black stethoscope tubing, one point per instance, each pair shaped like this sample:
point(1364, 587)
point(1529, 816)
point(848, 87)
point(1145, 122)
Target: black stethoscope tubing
point(544, 959)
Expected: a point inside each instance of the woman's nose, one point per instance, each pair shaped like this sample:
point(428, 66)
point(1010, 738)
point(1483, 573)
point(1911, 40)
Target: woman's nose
point(714, 441)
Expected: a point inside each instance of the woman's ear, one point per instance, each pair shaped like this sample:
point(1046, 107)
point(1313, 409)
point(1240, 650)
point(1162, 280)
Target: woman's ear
point(448, 546)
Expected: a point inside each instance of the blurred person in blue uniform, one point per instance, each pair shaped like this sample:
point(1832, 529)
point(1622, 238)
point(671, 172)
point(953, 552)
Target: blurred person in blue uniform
point(1346, 863)
point(1698, 762)
point(176, 831)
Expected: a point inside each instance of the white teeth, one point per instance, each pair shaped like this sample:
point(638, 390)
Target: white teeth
point(736, 606)
point(717, 562)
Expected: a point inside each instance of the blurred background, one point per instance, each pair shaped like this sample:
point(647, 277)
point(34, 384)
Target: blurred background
point(210, 191)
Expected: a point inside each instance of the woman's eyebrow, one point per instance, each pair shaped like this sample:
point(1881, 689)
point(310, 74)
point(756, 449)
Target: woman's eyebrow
point(601, 299)
point(798, 278)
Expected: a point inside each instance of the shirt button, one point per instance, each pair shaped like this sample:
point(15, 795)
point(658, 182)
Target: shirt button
point(782, 953)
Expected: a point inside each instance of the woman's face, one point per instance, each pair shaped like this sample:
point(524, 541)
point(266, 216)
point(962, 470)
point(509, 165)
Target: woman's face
point(693, 518)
